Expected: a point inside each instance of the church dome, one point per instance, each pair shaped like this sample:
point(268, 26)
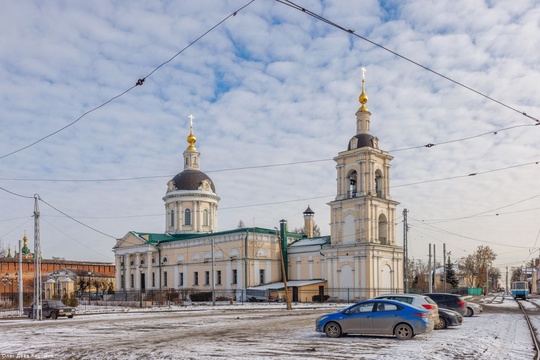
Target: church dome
point(191, 180)
point(360, 141)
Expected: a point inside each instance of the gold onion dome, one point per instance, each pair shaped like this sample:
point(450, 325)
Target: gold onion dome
point(191, 139)
point(363, 99)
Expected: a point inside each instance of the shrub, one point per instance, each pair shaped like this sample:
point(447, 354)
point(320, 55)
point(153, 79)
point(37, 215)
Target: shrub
point(317, 298)
point(201, 296)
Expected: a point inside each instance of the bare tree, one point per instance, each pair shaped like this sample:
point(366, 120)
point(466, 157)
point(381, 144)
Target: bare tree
point(3, 251)
point(241, 224)
point(475, 266)
point(302, 230)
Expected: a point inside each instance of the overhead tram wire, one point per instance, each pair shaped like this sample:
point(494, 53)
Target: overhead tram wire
point(139, 82)
point(429, 145)
point(351, 32)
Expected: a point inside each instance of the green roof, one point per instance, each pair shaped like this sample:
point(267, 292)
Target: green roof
point(155, 238)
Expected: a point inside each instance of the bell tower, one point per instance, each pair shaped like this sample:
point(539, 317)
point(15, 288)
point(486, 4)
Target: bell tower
point(363, 252)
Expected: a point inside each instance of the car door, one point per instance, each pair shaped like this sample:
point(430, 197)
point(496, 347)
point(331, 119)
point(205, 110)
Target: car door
point(384, 318)
point(358, 319)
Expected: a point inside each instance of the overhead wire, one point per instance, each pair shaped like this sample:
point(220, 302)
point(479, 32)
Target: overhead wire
point(351, 32)
point(139, 82)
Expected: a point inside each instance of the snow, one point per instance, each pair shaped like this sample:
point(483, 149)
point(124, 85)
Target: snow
point(253, 331)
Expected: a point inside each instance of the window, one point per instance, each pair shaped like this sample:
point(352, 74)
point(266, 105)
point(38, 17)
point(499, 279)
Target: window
point(131, 281)
point(205, 218)
point(207, 278)
point(261, 276)
point(122, 282)
point(187, 217)
point(153, 279)
point(172, 218)
point(181, 276)
point(165, 278)
point(196, 278)
point(235, 276)
point(218, 280)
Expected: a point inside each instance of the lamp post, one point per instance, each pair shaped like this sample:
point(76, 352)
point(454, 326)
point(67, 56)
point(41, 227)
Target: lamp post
point(17, 282)
point(89, 285)
point(5, 280)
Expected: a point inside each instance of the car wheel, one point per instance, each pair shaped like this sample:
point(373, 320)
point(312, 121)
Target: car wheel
point(332, 330)
point(54, 316)
point(70, 316)
point(31, 315)
point(403, 332)
point(441, 324)
point(470, 312)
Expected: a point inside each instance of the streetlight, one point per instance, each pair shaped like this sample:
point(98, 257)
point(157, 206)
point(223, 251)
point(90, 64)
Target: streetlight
point(16, 281)
point(89, 284)
point(5, 280)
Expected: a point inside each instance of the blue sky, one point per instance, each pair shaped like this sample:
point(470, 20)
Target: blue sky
point(269, 86)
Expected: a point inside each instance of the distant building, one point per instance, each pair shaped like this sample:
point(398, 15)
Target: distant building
point(9, 271)
point(359, 259)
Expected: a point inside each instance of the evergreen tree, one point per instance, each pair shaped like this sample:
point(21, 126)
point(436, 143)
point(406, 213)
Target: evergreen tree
point(450, 274)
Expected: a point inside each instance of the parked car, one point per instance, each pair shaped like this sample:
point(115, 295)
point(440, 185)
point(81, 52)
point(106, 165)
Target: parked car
point(416, 300)
point(51, 309)
point(377, 317)
point(473, 309)
point(449, 301)
point(448, 317)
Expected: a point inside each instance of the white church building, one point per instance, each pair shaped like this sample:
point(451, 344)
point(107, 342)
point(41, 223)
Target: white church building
point(359, 259)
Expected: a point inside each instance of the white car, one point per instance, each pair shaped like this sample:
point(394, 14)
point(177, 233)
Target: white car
point(418, 300)
point(473, 309)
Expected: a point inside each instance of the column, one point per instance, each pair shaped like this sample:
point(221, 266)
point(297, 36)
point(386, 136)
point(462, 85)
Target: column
point(126, 272)
point(149, 270)
point(138, 271)
point(118, 272)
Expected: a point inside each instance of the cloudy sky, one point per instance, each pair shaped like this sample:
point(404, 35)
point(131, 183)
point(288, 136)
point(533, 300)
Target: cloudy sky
point(274, 94)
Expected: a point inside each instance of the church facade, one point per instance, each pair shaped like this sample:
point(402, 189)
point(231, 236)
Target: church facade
point(359, 259)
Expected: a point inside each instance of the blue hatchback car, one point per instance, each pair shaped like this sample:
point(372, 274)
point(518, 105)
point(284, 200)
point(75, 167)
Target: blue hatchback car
point(377, 317)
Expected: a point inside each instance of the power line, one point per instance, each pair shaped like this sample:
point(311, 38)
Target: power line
point(429, 145)
point(77, 221)
point(139, 82)
point(351, 32)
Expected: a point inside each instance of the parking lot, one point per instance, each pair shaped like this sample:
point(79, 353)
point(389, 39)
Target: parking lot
point(253, 332)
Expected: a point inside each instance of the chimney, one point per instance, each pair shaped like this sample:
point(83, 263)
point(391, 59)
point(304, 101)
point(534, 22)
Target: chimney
point(308, 222)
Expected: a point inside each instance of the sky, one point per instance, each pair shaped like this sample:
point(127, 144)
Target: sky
point(273, 92)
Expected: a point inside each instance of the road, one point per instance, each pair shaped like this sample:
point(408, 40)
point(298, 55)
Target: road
point(260, 333)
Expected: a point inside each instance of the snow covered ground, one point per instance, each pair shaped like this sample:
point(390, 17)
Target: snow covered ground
point(252, 331)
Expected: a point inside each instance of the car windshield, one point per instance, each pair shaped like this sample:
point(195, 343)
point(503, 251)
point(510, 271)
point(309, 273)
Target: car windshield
point(56, 304)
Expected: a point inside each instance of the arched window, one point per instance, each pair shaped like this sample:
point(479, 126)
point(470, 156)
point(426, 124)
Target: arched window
point(187, 217)
point(378, 184)
point(206, 218)
point(353, 184)
point(172, 218)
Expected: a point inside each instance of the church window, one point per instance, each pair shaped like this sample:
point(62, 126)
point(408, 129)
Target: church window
point(181, 277)
point(153, 279)
point(165, 278)
point(187, 217)
point(196, 278)
point(172, 218)
point(132, 280)
point(235, 276)
point(261, 276)
point(353, 185)
point(218, 277)
point(378, 184)
point(206, 218)
point(207, 278)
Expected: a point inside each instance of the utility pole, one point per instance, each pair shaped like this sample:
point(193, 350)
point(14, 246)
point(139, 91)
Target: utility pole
point(20, 284)
point(37, 311)
point(284, 274)
point(213, 279)
point(444, 265)
point(405, 252)
point(434, 269)
point(429, 271)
